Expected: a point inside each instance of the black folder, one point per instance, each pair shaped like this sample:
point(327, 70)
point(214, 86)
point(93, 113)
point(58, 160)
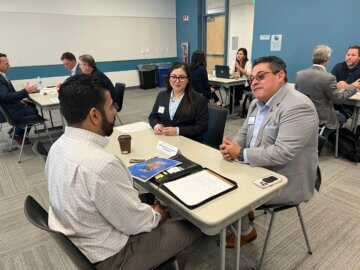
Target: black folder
point(188, 168)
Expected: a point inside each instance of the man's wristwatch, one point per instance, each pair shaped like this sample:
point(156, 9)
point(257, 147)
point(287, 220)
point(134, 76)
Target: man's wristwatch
point(240, 157)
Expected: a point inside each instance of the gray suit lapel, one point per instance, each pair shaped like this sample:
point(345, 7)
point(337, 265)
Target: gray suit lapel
point(275, 103)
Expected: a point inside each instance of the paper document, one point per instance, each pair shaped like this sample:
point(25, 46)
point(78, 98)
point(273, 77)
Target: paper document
point(138, 126)
point(196, 188)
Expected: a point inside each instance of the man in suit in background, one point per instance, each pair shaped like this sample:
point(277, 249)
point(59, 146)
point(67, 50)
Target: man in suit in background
point(69, 61)
point(321, 87)
point(88, 66)
point(13, 100)
point(280, 133)
point(346, 73)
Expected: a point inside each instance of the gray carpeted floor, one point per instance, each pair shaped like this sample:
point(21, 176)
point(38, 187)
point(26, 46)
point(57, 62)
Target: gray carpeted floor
point(332, 217)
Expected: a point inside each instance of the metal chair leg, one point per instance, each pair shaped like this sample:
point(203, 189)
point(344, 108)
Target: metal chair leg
point(118, 118)
point(266, 239)
point(37, 131)
point(12, 139)
point(337, 142)
point(304, 230)
point(47, 130)
point(22, 145)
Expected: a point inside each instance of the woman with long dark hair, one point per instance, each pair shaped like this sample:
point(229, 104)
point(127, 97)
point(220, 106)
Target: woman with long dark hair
point(199, 77)
point(179, 110)
point(242, 65)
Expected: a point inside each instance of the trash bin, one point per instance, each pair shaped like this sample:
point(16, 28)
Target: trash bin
point(147, 74)
point(161, 71)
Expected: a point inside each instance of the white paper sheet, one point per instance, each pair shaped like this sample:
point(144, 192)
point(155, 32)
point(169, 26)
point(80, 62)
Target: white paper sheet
point(138, 126)
point(196, 188)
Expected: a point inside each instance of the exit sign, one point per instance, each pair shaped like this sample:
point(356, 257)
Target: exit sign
point(186, 18)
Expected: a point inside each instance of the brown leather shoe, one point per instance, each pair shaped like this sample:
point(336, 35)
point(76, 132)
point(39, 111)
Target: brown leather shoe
point(10, 131)
point(251, 216)
point(19, 140)
point(230, 239)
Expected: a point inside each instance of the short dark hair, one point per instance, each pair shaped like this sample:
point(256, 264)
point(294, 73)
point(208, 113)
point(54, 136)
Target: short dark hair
point(78, 94)
point(355, 47)
point(68, 56)
point(276, 64)
point(88, 60)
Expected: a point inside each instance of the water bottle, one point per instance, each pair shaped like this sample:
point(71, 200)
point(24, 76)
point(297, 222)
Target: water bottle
point(39, 83)
point(214, 72)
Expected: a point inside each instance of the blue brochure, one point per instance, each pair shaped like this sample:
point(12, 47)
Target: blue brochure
point(151, 167)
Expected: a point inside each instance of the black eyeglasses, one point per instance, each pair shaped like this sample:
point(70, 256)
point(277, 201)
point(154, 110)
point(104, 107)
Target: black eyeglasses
point(173, 78)
point(260, 76)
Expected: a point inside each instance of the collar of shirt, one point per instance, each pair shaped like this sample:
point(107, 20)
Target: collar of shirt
point(73, 70)
point(86, 135)
point(172, 97)
point(268, 104)
point(320, 66)
point(4, 75)
point(174, 104)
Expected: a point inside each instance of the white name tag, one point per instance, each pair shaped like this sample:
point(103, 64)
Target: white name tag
point(161, 109)
point(166, 148)
point(251, 120)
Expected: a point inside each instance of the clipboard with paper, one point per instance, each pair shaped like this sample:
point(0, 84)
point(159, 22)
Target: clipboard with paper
point(194, 185)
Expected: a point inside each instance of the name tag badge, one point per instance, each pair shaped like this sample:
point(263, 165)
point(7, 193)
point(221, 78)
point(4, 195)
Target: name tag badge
point(161, 109)
point(251, 120)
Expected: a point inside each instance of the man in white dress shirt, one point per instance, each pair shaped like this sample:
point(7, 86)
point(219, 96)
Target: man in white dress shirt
point(70, 63)
point(91, 194)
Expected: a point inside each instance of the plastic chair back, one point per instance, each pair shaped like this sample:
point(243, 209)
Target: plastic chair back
point(39, 218)
point(119, 95)
point(217, 119)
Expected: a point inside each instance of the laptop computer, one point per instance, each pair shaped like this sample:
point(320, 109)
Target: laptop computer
point(222, 71)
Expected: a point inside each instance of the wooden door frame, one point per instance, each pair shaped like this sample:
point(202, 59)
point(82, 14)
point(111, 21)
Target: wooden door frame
point(203, 27)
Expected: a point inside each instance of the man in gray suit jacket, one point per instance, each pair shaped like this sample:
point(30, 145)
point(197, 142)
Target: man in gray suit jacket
point(321, 87)
point(280, 133)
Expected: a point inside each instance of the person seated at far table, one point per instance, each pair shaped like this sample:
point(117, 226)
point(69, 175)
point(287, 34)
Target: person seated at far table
point(88, 66)
point(91, 192)
point(13, 102)
point(346, 73)
point(70, 63)
point(199, 77)
point(241, 66)
point(180, 110)
point(321, 87)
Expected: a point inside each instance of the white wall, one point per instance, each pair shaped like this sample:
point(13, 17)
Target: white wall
point(241, 24)
point(37, 32)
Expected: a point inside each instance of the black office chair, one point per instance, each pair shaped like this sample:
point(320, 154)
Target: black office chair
point(32, 120)
point(39, 218)
point(119, 98)
point(40, 150)
point(216, 125)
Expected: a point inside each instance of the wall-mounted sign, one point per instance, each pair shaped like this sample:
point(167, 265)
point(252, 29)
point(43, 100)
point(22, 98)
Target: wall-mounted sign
point(276, 42)
point(186, 18)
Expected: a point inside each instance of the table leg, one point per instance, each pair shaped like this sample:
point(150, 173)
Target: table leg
point(222, 248)
point(237, 248)
point(51, 119)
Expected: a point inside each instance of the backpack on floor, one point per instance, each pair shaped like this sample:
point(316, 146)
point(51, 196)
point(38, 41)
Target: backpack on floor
point(349, 144)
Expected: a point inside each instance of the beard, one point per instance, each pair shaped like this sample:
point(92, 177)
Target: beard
point(107, 126)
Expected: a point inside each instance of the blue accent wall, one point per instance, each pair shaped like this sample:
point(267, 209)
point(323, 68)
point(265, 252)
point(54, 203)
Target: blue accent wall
point(21, 73)
point(305, 24)
point(188, 31)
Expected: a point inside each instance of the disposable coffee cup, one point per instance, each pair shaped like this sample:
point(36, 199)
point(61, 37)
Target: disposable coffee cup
point(125, 144)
